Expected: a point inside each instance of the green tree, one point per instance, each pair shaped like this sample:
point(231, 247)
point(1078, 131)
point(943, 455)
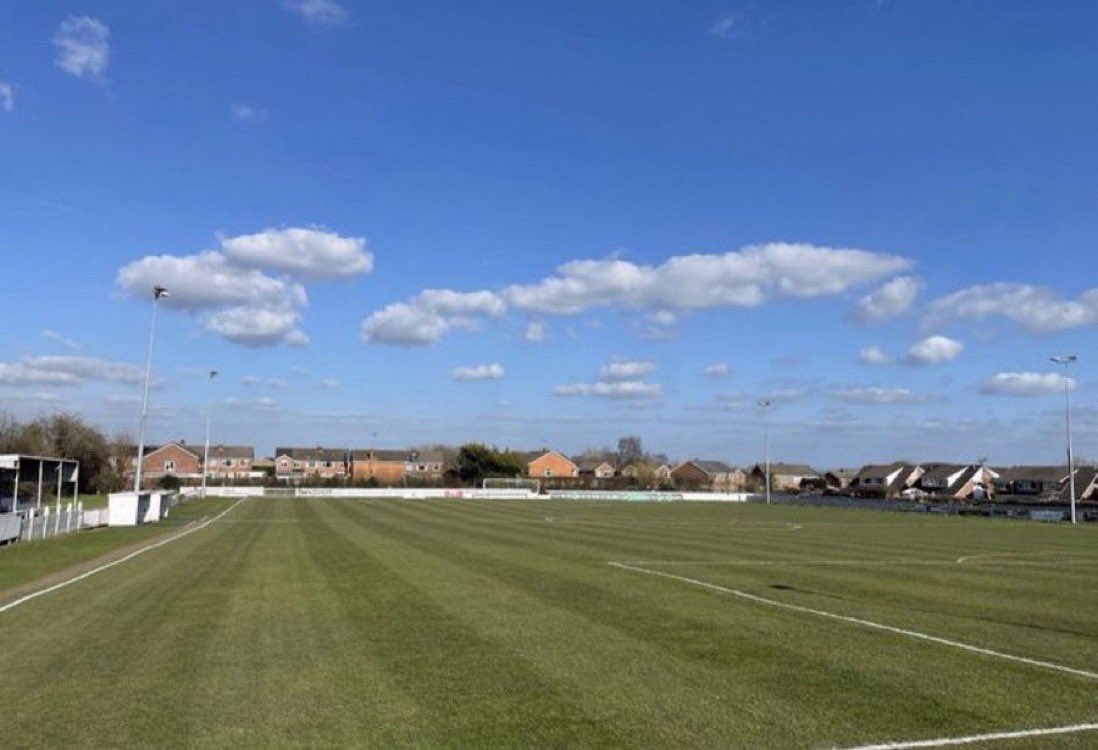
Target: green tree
point(476, 461)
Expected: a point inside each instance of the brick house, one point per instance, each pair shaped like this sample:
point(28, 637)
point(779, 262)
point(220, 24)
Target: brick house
point(716, 476)
point(784, 477)
point(231, 462)
point(424, 464)
point(551, 464)
point(310, 463)
point(175, 459)
point(378, 465)
point(597, 469)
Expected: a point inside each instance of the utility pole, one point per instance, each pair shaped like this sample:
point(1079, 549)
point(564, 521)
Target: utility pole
point(209, 419)
point(765, 406)
point(158, 292)
point(1066, 360)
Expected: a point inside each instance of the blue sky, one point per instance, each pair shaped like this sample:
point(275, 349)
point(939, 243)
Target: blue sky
point(635, 217)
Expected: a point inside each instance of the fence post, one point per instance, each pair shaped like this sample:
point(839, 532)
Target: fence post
point(45, 521)
point(68, 518)
point(57, 520)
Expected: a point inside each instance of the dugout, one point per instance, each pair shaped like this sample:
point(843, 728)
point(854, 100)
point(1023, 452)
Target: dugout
point(39, 471)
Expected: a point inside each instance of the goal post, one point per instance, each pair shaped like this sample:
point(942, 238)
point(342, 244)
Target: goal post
point(501, 483)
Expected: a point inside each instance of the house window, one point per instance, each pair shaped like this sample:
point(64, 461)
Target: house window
point(227, 462)
point(548, 473)
point(169, 467)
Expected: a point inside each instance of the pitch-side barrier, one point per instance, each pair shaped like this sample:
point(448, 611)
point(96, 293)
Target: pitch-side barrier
point(433, 493)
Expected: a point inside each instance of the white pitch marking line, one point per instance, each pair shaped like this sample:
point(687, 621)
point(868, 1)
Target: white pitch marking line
point(971, 739)
point(119, 561)
point(858, 621)
point(982, 557)
point(867, 563)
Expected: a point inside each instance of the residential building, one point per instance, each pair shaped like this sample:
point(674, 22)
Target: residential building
point(595, 468)
point(784, 477)
point(378, 465)
point(231, 462)
point(837, 480)
point(957, 481)
point(1086, 485)
point(1030, 480)
point(716, 476)
point(550, 464)
point(172, 459)
point(424, 464)
point(294, 464)
point(885, 480)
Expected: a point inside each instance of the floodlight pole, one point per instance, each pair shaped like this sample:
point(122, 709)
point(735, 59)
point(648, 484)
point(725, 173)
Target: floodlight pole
point(765, 406)
point(209, 419)
point(158, 292)
point(1065, 361)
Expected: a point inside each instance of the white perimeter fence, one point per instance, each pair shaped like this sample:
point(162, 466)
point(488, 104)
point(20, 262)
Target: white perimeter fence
point(47, 521)
point(32, 524)
point(409, 493)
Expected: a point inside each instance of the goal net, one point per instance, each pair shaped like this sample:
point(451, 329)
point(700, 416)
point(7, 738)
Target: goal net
point(499, 483)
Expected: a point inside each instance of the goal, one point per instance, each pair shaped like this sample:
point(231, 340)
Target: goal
point(499, 483)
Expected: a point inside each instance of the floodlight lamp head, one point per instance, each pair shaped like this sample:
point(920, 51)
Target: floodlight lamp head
point(1064, 360)
point(765, 404)
point(160, 291)
point(213, 374)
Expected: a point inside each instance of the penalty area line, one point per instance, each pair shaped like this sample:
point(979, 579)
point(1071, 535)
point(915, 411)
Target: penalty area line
point(974, 738)
point(858, 621)
point(89, 573)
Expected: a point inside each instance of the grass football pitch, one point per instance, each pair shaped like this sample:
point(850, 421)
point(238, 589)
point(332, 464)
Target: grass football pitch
point(533, 624)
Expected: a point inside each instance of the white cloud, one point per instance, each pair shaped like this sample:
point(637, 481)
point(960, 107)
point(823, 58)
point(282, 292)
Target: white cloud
point(257, 326)
point(1034, 308)
point(1025, 384)
point(83, 47)
point(724, 27)
point(329, 383)
point(207, 280)
point(889, 300)
point(873, 355)
point(88, 368)
point(20, 374)
point(127, 399)
point(535, 331)
point(876, 395)
point(250, 380)
point(493, 371)
point(934, 350)
point(626, 370)
point(742, 278)
point(237, 300)
point(622, 389)
point(63, 341)
point(321, 12)
point(425, 318)
point(7, 97)
point(782, 395)
point(717, 370)
point(247, 113)
point(661, 318)
point(306, 252)
point(265, 403)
